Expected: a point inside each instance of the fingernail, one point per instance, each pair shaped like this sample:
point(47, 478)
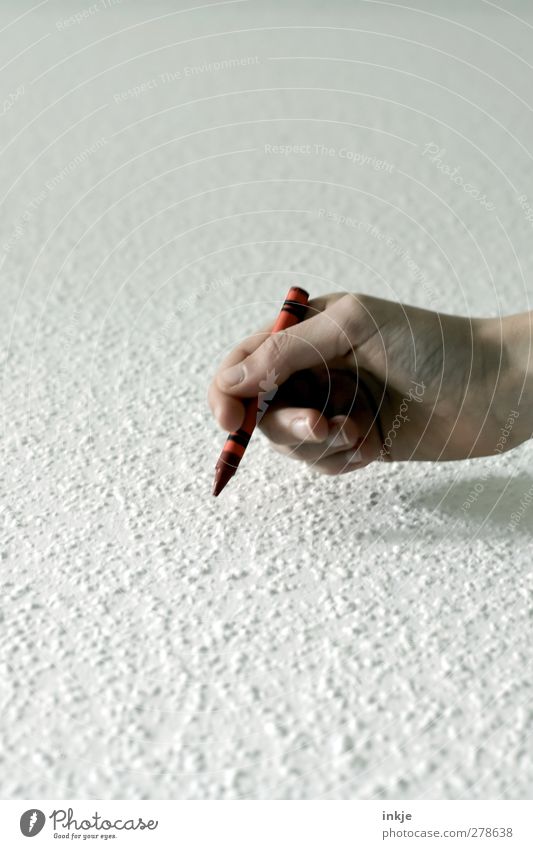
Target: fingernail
point(356, 457)
point(338, 438)
point(300, 428)
point(233, 375)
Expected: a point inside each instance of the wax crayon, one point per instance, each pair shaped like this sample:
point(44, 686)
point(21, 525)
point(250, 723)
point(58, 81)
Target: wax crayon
point(291, 313)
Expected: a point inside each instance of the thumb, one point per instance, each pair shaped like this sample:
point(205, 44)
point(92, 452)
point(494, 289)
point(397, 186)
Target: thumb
point(314, 342)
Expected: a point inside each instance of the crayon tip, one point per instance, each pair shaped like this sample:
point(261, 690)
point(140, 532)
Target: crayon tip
point(223, 473)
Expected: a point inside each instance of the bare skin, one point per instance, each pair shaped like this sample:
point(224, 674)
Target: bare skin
point(364, 379)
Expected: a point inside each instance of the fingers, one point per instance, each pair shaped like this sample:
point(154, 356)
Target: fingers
point(337, 434)
point(308, 402)
point(247, 346)
point(333, 456)
point(324, 337)
point(340, 434)
point(330, 443)
point(343, 462)
point(294, 425)
point(229, 411)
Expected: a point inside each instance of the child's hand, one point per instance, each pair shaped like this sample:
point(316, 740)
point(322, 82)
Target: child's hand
point(363, 379)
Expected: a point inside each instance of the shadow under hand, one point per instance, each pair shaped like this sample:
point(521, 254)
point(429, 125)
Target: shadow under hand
point(498, 501)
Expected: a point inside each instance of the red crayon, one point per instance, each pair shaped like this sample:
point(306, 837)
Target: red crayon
point(291, 313)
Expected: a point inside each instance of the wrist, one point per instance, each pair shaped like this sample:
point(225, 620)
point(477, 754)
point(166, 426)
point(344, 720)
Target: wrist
point(509, 371)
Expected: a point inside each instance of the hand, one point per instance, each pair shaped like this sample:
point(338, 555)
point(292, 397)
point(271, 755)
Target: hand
point(364, 379)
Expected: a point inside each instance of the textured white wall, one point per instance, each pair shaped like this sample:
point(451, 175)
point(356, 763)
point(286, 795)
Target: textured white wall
point(300, 636)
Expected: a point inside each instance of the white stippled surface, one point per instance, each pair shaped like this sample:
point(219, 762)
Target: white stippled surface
point(299, 637)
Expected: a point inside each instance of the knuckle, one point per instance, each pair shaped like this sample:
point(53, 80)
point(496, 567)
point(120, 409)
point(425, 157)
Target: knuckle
point(357, 310)
point(352, 313)
point(275, 346)
point(347, 315)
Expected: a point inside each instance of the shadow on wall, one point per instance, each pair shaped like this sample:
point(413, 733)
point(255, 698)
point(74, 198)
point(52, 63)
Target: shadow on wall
point(496, 501)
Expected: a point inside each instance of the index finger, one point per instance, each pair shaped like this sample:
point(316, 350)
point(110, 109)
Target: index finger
point(228, 409)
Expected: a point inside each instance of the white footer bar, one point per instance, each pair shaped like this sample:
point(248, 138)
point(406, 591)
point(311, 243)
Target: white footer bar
point(268, 824)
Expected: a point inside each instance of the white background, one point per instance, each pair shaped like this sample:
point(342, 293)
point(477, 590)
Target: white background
point(300, 637)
